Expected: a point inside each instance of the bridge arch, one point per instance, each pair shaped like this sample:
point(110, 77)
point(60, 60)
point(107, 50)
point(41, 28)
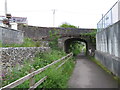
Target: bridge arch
point(69, 41)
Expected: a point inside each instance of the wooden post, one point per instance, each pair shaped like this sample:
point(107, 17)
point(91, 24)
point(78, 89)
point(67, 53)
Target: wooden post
point(32, 80)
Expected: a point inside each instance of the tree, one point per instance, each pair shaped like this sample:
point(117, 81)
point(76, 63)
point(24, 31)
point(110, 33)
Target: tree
point(66, 25)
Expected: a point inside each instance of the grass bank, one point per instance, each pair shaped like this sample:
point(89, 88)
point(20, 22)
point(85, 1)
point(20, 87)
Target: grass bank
point(56, 78)
point(27, 43)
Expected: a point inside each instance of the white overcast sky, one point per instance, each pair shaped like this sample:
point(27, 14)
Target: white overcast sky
point(82, 13)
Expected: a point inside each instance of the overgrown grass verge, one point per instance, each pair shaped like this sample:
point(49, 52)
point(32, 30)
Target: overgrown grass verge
point(104, 68)
point(27, 43)
point(56, 78)
point(0, 44)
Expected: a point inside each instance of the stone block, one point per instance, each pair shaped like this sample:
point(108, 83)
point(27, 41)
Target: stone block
point(16, 56)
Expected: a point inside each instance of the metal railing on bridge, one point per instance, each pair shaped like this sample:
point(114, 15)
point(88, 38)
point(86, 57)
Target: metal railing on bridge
point(111, 17)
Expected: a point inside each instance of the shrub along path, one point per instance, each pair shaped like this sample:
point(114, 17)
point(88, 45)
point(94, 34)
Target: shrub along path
point(89, 75)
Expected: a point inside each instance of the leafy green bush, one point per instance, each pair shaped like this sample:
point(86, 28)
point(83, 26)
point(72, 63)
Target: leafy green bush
point(28, 42)
point(76, 48)
point(58, 78)
point(66, 25)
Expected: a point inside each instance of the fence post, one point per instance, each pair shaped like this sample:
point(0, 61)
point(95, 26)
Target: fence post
point(32, 80)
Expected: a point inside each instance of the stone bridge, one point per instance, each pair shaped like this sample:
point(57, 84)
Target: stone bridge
point(65, 42)
point(67, 36)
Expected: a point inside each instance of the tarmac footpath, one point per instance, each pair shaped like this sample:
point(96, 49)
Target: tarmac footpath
point(87, 74)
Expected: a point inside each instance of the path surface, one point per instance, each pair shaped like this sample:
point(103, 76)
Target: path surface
point(89, 75)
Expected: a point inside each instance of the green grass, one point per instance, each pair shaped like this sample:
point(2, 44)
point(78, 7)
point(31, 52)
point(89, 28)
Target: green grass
point(27, 43)
point(104, 68)
point(76, 48)
point(0, 44)
point(56, 78)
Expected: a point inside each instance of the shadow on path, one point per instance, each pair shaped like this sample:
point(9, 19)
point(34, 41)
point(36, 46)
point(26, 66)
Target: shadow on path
point(89, 75)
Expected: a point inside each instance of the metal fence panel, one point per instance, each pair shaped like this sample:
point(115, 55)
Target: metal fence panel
point(111, 17)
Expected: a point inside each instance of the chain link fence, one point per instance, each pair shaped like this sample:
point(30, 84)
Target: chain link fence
point(111, 17)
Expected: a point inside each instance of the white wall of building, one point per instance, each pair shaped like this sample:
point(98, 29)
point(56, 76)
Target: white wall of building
point(14, 26)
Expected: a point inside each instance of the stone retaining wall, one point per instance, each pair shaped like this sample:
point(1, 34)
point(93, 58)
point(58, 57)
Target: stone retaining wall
point(16, 56)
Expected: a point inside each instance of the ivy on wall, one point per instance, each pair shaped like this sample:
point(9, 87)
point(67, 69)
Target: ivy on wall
point(91, 35)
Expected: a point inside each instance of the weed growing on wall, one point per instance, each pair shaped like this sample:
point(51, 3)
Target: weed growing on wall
point(75, 47)
point(56, 78)
point(92, 35)
point(54, 39)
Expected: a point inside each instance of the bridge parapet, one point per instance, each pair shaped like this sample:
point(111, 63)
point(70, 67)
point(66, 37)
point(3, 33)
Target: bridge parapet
point(39, 32)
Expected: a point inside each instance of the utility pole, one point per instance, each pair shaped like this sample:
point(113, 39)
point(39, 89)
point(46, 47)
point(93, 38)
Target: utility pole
point(5, 7)
point(8, 16)
point(103, 24)
point(53, 17)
